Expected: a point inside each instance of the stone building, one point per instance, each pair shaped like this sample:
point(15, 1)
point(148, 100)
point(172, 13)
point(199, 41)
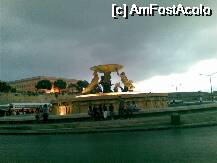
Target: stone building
point(28, 84)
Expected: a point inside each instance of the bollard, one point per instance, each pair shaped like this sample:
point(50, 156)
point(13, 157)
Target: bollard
point(175, 119)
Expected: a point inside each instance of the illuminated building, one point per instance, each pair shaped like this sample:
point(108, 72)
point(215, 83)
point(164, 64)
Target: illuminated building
point(28, 84)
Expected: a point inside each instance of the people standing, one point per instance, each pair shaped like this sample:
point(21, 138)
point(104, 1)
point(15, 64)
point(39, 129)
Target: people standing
point(121, 107)
point(94, 112)
point(129, 109)
point(100, 112)
point(111, 111)
point(134, 107)
point(45, 112)
point(37, 116)
point(90, 111)
point(105, 112)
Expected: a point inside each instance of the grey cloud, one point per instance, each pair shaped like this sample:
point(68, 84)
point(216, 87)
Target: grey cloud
point(65, 38)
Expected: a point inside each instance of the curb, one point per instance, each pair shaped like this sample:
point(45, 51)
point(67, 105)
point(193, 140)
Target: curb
point(104, 130)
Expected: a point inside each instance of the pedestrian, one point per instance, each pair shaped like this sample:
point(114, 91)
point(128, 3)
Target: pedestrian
point(134, 107)
point(37, 116)
point(129, 109)
point(45, 112)
point(105, 112)
point(201, 99)
point(94, 112)
point(100, 112)
point(22, 110)
point(121, 107)
point(90, 111)
point(111, 111)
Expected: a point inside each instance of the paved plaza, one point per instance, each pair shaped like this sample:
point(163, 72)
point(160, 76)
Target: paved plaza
point(195, 116)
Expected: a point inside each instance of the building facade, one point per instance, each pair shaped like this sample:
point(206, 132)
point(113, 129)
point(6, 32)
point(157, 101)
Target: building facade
point(28, 84)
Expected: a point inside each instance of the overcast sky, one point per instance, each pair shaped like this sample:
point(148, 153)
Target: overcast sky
point(66, 37)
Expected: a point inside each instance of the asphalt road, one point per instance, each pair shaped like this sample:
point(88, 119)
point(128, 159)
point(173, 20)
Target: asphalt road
point(177, 145)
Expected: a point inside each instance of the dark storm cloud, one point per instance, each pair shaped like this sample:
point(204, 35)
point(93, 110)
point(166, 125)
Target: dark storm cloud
point(65, 38)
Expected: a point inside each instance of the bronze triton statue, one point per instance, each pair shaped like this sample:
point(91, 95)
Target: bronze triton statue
point(105, 81)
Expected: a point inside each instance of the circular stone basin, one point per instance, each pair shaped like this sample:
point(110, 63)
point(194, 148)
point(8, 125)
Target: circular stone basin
point(107, 68)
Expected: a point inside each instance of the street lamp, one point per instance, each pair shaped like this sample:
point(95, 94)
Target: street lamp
point(176, 86)
point(210, 81)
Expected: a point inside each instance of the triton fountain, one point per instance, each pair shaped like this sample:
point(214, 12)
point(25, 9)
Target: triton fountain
point(111, 92)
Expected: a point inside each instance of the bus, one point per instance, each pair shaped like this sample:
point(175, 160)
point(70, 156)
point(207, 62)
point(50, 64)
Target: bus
point(21, 108)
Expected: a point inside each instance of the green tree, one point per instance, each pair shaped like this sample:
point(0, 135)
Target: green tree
point(72, 85)
point(81, 84)
point(60, 84)
point(44, 84)
point(4, 87)
point(13, 90)
point(97, 89)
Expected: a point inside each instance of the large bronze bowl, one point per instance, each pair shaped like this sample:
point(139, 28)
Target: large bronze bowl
point(107, 68)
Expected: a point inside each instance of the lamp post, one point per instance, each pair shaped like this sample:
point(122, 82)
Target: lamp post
point(210, 81)
point(176, 88)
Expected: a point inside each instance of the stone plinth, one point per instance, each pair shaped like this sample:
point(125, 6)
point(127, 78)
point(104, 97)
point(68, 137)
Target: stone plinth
point(80, 104)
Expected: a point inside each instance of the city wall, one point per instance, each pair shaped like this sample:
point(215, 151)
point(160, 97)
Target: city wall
point(6, 98)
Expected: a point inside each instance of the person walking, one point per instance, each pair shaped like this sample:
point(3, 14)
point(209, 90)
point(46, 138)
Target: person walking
point(45, 112)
